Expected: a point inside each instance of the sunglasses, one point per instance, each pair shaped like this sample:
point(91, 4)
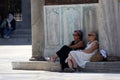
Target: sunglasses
point(75, 35)
point(91, 35)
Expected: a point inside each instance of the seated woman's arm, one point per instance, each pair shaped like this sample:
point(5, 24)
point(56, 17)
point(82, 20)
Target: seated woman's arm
point(78, 45)
point(93, 47)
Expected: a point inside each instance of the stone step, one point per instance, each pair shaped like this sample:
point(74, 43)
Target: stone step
point(16, 41)
point(22, 31)
point(37, 65)
point(99, 67)
point(19, 27)
point(20, 36)
point(103, 67)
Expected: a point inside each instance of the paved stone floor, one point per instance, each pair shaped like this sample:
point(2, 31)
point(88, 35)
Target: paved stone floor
point(23, 53)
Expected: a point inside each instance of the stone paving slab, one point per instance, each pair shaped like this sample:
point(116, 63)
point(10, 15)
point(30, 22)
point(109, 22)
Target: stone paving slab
point(59, 76)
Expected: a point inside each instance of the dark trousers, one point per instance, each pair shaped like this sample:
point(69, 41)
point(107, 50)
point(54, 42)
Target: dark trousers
point(7, 32)
point(63, 54)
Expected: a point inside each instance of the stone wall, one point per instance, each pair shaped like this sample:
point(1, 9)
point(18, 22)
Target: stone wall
point(61, 21)
point(59, 2)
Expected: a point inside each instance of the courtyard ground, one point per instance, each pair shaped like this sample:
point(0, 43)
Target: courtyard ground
point(23, 53)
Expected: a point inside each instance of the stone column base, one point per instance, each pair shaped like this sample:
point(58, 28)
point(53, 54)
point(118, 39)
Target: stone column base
point(37, 59)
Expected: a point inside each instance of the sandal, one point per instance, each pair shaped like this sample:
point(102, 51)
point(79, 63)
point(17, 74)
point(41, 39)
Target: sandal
point(53, 58)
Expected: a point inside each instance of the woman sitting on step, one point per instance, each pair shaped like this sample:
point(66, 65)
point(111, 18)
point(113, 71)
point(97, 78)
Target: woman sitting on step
point(64, 51)
point(10, 25)
point(81, 57)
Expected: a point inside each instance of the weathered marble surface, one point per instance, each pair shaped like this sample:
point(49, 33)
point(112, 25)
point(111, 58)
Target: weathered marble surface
point(90, 21)
point(109, 26)
point(61, 21)
point(37, 28)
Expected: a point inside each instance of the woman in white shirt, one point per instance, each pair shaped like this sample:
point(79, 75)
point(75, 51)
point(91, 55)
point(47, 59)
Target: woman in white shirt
point(81, 57)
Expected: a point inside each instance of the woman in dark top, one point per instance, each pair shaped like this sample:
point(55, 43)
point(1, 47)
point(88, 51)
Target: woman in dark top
point(64, 51)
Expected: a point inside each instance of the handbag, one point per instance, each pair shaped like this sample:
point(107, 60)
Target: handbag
point(97, 57)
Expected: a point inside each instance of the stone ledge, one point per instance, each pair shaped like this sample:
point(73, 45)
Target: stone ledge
point(103, 67)
point(99, 67)
point(37, 65)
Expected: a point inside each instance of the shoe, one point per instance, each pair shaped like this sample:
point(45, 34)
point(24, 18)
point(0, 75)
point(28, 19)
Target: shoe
point(47, 58)
point(69, 70)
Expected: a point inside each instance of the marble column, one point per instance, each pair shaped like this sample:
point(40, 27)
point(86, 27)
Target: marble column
point(109, 26)
point(26, 13)
point(37, 29)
